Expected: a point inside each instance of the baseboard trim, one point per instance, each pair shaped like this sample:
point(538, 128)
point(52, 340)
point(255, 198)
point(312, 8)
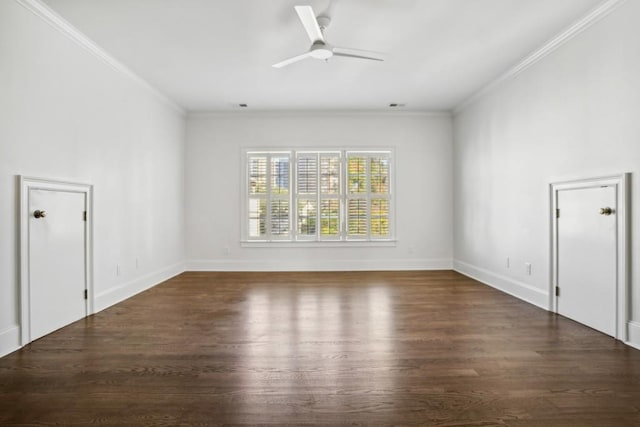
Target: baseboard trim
point(633, 334)
point(127, 290)
point(505, 284)
point(9, 340)
point(316, 265)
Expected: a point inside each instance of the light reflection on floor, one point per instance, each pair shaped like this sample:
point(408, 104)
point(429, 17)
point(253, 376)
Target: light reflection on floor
point(303, 339)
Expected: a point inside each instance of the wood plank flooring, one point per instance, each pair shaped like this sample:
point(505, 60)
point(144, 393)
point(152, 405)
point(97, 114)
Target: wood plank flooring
point(361, 348)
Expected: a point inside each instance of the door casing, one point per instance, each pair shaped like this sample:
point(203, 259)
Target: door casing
point(621, 185)
point(27, 184)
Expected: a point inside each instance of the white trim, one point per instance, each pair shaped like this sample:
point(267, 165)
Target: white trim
point(319, 243)
point(313, 264)
point(633, 334)
point(27, 184)
point(621, 185)
point(312, 113)
point(550, 46)
point(126, 290)
point(48, 15)
point(505, 284)
point(9, 340)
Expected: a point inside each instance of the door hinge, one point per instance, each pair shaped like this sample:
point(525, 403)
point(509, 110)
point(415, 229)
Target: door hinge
point(84, 215)
point(557, 291)
point(557, 213)
point(86, 294)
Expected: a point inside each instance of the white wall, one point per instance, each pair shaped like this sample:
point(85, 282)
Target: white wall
point(574, 114)
point(65, 114)
point(423, 188)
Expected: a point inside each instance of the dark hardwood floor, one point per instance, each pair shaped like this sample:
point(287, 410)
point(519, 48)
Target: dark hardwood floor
point(365, 348)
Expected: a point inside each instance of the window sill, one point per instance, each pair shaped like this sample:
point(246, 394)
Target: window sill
point(315, 244)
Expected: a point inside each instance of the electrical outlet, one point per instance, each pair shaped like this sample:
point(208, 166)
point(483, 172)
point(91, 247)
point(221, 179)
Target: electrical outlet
point(527, 268)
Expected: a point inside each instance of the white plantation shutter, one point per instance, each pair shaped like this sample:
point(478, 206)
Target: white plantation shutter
point(307, 195)
point(318, 184)
point(257, 196)
point(357, 200)
point(330, 196)
point(356, 174)
point(257, 218)
point(368, 195)
point(319, 196)
point(379, 218)
point(307, 218)
point(380, 196)
point(279, 213)
point(330, 174)
point(269, 196)
point(279, 218)
point(330, 218)
point(307, 174)
point(357, 217)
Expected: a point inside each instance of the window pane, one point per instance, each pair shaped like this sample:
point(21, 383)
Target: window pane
point(257, 175)
point(357, 174)
point(307, 217)
point(379, 217)
point(330, 174)
point(279, 217)
point(379, 175)
point(307, 175)
point(357, 217)
point(257, 217)
point(329, 217)
point(280, 175)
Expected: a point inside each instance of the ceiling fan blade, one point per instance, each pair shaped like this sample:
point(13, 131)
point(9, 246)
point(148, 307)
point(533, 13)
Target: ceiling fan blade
point(351, 51)
point(310, 23)
point(348, 55)
point(291, 60)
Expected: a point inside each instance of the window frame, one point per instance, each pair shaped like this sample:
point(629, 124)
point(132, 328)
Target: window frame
point(296, 239)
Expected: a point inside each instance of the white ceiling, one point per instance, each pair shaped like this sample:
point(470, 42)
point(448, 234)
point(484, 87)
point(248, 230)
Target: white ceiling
point(210, 55)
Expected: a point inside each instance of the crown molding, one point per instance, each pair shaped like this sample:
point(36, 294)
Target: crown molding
point(315, 113)
point(49, 16)
point(585, 22)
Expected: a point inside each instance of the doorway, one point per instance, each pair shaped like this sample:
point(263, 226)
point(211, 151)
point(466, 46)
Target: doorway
point(55, 236)
point(589, 275)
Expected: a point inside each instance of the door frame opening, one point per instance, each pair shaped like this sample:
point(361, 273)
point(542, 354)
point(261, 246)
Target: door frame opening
point(30, 183)
point(621, 185)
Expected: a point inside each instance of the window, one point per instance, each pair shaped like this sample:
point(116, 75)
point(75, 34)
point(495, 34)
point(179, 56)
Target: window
point(310, 196)
point(269, 196)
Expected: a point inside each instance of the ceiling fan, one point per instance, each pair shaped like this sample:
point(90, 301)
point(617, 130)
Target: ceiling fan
point(320, 49)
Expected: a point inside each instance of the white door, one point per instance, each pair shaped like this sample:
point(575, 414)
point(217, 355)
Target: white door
point(587, 259)
point(57, 275)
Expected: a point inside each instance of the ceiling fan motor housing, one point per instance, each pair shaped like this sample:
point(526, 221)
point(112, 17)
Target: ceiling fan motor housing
point(320, 50)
